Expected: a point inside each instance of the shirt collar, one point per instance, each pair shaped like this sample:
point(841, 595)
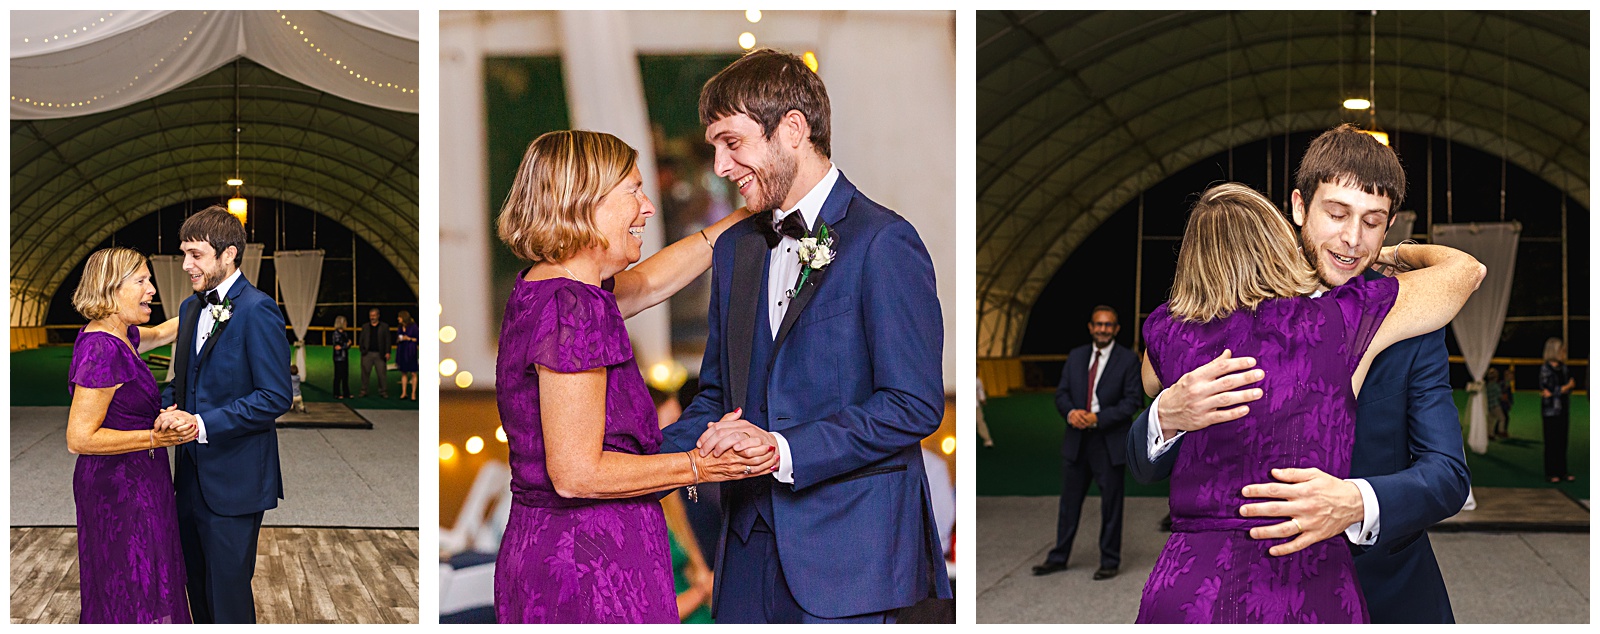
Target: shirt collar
point(811, 205)
point(227, 283)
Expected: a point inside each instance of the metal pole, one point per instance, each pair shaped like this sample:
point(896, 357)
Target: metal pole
point(1138, 272)
point(1565, 317)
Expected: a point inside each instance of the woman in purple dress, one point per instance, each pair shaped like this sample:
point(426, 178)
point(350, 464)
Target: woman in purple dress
point(1242, 286)
point(405, 354)
point(130, 566)
point(586, 541)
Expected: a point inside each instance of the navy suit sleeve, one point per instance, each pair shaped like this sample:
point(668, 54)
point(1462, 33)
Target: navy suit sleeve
point(167, 396)
point(1121, 414)
point(1435, 486)
point(266, 355)
point(905, 339)
point(1144, 471)
point(1066, 401)
point(708, 402)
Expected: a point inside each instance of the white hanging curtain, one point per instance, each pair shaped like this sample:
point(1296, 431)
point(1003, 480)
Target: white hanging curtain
point(172, 287)
point(251, 263)
point(1478, 325)
point(299, 279)
point(1400, 229)
point(73, 63)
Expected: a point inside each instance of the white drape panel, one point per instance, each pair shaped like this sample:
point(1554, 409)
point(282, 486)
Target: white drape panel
point(604, 93)
point(1401, 228)
point(250, 264)
point(1478, 325)
point(299, 279)
point(172, 286)
point(364, 56)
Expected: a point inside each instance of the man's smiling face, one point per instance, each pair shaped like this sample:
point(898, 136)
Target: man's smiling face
point(757, 166)
point(1341, 230)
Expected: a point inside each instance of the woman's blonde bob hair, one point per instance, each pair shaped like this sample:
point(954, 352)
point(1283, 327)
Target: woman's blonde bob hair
point(1553, 349)
point(1238, 250)
point(549, 214)
point(103, 274)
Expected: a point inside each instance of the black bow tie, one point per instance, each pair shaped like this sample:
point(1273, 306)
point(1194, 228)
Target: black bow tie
point(792, 225)
point(211, 297)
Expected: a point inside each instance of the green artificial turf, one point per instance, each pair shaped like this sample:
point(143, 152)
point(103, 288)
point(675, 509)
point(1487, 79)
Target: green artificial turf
point(39, 377)
point(1027, 430)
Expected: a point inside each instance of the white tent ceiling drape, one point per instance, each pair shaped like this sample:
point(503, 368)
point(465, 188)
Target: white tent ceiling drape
point(299, 279)
point(1477, 326)
point(73, 63)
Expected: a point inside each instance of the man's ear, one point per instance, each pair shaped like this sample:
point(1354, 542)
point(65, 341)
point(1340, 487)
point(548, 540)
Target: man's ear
point(235, 251)
point(794, 123)
point(1297, 208)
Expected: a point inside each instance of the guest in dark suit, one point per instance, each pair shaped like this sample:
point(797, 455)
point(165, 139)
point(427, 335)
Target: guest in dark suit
point(374, 341)
point(1408, 470)
point(1095, 440)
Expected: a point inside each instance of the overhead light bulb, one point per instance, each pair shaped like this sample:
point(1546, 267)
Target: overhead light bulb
point(1356, 103)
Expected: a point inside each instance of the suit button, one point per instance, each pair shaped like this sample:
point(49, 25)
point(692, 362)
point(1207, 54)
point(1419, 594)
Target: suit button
point(763, 409)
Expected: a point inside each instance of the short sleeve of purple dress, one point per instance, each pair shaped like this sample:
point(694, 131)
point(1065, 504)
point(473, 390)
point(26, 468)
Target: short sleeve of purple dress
point(130, 563)
point(570, 560)
point(1210, 570)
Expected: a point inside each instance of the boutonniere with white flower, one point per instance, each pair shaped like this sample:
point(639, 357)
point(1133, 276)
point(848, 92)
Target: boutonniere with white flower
point(816, 253)
point(221, 313)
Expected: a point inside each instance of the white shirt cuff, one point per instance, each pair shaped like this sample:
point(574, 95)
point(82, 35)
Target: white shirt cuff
point(201, 423)
point(1365, 532)
point(1157, 447)
point(785, 472)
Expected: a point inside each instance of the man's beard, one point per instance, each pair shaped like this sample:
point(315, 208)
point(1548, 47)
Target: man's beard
point(209, 280)
point(1313, 256)
point(776, 178)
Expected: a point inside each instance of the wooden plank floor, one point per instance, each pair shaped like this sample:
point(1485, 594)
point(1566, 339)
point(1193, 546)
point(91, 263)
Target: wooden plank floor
point(303, 575)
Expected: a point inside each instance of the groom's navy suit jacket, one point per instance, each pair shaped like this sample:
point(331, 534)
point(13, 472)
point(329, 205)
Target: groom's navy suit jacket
point(239, 385)
point(853, 381)
point(1408, 447)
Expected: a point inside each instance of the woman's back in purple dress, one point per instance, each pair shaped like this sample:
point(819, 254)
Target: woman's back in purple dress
point(1211, 571)
point(130, 562)
point(565, 560)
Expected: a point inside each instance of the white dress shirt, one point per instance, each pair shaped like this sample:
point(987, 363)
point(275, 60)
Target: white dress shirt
point(1103, 354)
point(783, 271)
point(1363, 533)
point(203, 332)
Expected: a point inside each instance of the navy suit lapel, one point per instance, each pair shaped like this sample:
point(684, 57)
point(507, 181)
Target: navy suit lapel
point(832, 214)
point(211, 342)
point(749, 266)
point(183, 353)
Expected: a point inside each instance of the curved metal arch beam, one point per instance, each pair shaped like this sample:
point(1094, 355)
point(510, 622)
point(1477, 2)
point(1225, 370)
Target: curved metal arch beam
point(322, 144)
point(394, 245)
point(1025, 291)
point(1316, 32)
point(1048, 128)
point(313, 179)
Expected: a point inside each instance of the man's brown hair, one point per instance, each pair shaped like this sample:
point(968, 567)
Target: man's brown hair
point(765, 85)
point(1347, 156)
point(219, 228)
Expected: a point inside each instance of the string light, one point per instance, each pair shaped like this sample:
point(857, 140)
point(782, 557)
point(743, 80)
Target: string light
point(747, 40)
point(810, 59)
point(948, 446)
point(78, 103)
point(366, 79)
point(447, 452)
point(464, 379)
point(753, 15)
point(447, 367)
point(500, 433)
point(447, 334)
point(474, 445)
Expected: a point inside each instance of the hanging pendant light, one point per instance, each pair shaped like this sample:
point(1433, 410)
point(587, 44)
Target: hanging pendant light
point(237, 206)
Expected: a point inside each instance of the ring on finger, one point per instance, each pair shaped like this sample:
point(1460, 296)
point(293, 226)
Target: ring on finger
point(1297, 527)
point(747, 469)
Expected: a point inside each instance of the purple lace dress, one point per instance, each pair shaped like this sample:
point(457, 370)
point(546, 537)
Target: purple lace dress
point(1211, 571)
point(576, 560)
point(130, 564)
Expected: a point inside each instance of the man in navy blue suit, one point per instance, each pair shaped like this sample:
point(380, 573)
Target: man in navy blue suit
point(231, 379)
point(1099, 394)
point(825, 344)
point(1408, 470)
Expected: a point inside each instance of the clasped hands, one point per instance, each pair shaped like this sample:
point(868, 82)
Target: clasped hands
point(1082, 418)
point(734, 449)
point(175, 427)
point(1318, 505)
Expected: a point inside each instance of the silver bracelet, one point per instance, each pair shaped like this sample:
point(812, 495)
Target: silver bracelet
point(694, 491)
point(708, 240)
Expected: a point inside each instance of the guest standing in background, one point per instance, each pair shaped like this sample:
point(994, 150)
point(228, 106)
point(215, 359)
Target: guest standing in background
point(1492, 394)
point(1555, 388)
point(374, 341)
point(1099, 395)
point(405, 354)
point(341, 359)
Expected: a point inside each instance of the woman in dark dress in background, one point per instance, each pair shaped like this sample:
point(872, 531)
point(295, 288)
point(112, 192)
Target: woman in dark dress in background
point(130, 564)
point(405, 354)
point(341, 341)
point(1555, 390)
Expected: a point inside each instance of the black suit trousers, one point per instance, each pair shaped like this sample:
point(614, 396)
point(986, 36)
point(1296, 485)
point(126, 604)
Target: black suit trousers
point(1093, 462)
